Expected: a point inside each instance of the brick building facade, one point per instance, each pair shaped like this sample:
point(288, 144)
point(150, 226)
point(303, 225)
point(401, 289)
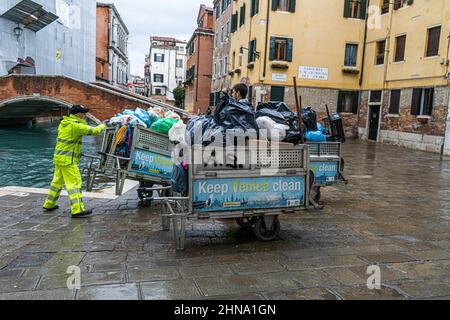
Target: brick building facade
point(199, 63)
point(221, 58)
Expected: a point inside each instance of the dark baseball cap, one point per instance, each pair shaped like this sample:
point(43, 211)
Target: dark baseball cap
point(77, 108)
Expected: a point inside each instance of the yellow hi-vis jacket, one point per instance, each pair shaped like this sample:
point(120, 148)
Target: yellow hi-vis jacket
point(70, 138)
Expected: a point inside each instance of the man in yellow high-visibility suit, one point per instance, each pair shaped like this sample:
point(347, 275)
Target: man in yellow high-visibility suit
point(66, 158)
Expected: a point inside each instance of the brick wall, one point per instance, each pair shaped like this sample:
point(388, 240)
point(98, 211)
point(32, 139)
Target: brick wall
point(103, 103)
point(102, 43)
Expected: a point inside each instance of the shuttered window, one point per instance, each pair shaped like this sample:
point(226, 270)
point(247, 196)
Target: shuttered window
point(251, 50)
point(284, 5)
point(234, 22)
point(400, 43)
point(348, 102)
point(281, 49)
point(242, 19)
point(394, 104)
point(355, 9)
point(254, 8)
point(351, 52)
point(434, 35)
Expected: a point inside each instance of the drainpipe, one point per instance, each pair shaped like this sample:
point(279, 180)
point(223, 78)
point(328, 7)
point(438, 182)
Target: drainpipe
point(267, 38)
point(363, 62)
point(364, 45)
point(388, 48)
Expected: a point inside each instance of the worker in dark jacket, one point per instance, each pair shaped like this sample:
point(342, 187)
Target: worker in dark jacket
point(66, 158)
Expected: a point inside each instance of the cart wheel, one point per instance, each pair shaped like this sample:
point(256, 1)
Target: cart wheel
point(142, 194)
point(246, 222)
point(264, 233)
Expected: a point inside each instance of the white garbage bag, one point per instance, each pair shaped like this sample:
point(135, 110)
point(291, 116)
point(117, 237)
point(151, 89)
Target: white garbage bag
point(177, 133)
point(270, 130)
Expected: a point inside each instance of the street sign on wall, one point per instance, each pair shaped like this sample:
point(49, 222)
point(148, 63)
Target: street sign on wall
point(313, 73)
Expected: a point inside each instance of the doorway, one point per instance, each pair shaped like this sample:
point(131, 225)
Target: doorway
point(374, 122)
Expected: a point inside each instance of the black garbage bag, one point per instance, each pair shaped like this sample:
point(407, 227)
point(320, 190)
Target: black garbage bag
point(180, 179)
point(310, 119)
point(205, 127)
point(281, 113)
point(234, 115)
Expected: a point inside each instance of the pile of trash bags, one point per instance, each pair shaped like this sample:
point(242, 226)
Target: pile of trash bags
point(156, 119)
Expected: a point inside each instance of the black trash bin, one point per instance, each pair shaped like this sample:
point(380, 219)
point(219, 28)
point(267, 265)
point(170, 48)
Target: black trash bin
point(336, 128)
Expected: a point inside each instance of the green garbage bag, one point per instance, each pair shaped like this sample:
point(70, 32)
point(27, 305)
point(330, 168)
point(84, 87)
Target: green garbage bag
point(163, 125)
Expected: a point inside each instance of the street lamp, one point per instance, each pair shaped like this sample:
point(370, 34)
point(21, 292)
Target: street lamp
point(18, 31)
point(254, 52)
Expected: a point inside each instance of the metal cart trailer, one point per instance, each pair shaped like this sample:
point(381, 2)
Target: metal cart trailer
point(254, 193)
point(327, 164)
point(150, 161)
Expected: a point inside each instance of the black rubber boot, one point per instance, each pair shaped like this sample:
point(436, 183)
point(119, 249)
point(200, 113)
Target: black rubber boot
point(82, 214)
point(52, 209)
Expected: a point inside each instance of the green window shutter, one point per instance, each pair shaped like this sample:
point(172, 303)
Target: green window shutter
point(290, 47)
point(250, 50)
point(274, 5)
point(292, 6)
point(355, 102)
point(234, 22)
point(340, 101)
point(256, 6)
point(347, 9)
point(252, 8)
point(363, 9)
point(272, 49)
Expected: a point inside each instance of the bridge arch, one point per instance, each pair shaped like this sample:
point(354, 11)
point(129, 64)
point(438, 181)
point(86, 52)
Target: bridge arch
point(21, 109)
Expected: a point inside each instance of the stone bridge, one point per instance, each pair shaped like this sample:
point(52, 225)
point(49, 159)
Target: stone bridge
point(24, 97)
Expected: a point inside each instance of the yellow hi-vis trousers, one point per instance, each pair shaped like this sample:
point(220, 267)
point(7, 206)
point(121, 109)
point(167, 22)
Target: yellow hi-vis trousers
point(71, 177)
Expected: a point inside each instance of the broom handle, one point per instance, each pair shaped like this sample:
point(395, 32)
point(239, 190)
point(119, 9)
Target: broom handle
point(298, 104)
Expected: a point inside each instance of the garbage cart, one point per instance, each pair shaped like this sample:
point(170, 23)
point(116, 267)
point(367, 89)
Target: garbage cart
point(254, 190)
point(149, 161)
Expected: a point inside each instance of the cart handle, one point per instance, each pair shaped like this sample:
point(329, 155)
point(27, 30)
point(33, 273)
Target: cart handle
point(90, 156)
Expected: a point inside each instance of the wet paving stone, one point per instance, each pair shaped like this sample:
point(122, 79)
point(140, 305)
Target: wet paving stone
point(87, 279)
point(58, 294)
point(15, 285)
point(302, 294)
point(190, 272)
point(363, 293)
point(424, 289)
point(162, 273)
point(256, 268)
point(169, 290)
point(128, 291)
point(31, 260)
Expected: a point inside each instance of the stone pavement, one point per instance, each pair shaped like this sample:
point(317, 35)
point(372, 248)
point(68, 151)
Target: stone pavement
point(395, 213)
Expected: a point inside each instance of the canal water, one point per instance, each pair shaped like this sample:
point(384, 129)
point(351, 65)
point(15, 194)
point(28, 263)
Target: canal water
point(26, 154)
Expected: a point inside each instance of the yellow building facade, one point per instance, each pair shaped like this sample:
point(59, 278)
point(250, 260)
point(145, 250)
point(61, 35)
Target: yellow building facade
point(386, 71)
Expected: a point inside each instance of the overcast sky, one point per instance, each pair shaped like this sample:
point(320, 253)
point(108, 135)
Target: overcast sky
point(171, 18)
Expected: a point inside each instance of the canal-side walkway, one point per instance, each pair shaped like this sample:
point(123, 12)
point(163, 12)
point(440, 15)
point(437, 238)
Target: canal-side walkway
point(395, 214)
